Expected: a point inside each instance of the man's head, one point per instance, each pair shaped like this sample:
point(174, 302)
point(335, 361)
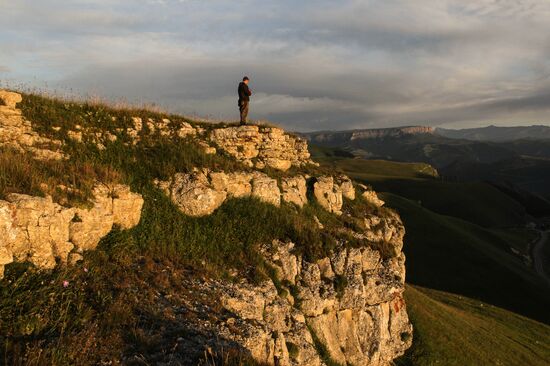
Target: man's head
point(246, 79)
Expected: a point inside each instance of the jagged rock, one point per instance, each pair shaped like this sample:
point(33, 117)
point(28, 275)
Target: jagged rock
point(270, 146)
point(346, 185)
point(185, 129)
point(350, 301)
point(294, 190)
point(328, 194)
point(193, 193)
point(37, 230)
point(370, 196)
point(388, 232)
point(283, 260)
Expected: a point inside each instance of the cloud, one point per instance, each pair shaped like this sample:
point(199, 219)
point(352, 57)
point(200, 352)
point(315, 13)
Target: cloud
point(314, 64)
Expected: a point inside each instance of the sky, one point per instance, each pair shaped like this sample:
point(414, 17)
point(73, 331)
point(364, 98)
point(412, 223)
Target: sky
point(314, 65)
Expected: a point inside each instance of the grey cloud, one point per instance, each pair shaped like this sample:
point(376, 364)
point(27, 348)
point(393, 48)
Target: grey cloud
point(314, 65)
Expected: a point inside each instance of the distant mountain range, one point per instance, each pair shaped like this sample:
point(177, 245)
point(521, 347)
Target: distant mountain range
point(497, 134)
point(488, 134)
point(518, 155)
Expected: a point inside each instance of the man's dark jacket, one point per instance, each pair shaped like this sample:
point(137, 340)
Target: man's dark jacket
point(244, 93)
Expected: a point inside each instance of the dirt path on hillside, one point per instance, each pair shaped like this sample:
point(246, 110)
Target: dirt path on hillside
point(538, 255)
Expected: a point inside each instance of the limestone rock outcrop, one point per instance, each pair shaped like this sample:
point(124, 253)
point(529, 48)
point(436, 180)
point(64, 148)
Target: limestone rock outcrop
point(328, 194)
point(201, 192)
point(294, 190)
point(351, 302)
point(17, 133)
point(370, 196)
point(262, 146)
point(193, 193)
point(42, 232)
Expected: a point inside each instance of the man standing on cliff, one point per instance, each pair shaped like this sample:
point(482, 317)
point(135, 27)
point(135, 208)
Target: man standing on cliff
point(244, 99)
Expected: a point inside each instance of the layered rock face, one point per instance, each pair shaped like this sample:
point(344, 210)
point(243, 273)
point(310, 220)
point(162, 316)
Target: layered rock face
point(262, 146)
point(17, 133)
point(39, 231)
point(350, 302)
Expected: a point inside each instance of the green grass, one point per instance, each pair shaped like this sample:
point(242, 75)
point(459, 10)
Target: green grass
point(479, 203)
point(518, 238)
point(20, 173)
point(451, 254)
point(456, 330)
point(375, 170)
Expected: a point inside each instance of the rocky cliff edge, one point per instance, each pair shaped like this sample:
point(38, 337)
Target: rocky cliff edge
point(345, 307)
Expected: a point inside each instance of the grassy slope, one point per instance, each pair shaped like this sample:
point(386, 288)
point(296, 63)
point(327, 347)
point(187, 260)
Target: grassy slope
point(480, 203)
point(455, 330)
point(450, 254)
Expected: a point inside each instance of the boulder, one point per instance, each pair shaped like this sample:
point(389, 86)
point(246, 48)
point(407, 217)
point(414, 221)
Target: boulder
point(10, 99)
point(328, 194)
point(262, 146)
point(193, 193)
point(346, 185)
point(294, 190)
point(370, 196)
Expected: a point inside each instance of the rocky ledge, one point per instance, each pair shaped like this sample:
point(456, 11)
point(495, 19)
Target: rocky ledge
point(39, 231)
point(349, 303)
point(202, 191)
point(262, 146)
